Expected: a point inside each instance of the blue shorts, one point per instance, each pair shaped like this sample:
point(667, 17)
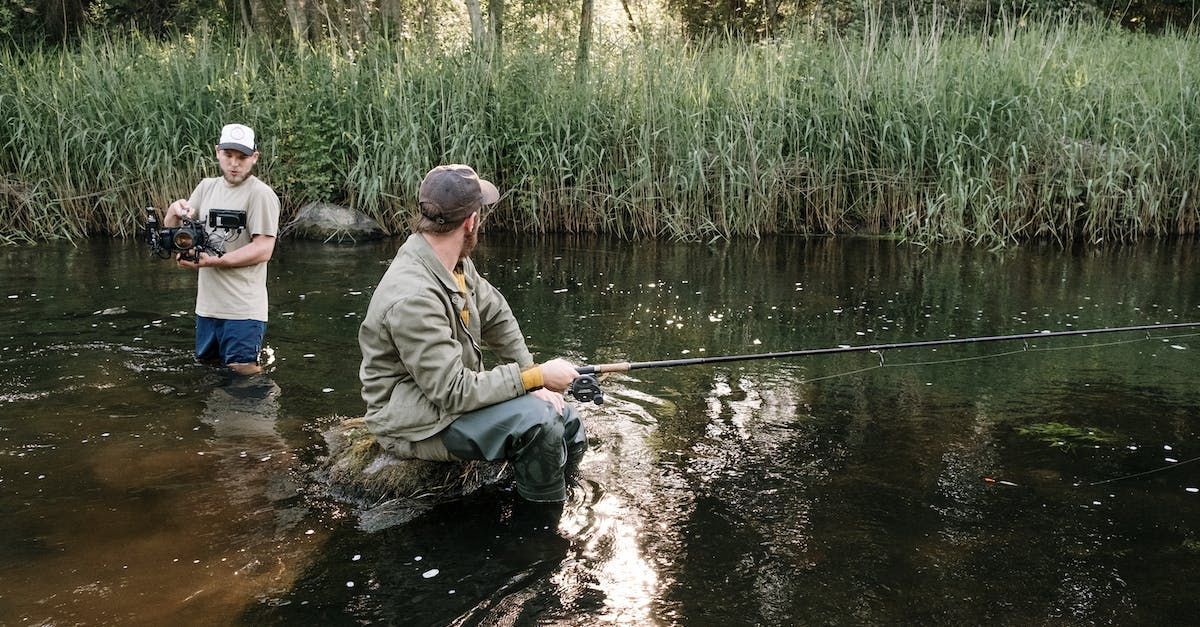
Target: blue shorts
point(229, 341)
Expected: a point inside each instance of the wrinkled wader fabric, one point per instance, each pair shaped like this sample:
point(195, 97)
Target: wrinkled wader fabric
point(527, 431)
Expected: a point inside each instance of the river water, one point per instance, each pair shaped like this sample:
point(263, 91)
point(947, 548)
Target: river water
point(1031, 482)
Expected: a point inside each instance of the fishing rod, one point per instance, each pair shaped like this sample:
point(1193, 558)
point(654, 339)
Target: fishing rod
point(586, 387)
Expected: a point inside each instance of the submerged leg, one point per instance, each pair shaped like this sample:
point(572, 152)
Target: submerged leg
point(527, 431)
point(574, 438)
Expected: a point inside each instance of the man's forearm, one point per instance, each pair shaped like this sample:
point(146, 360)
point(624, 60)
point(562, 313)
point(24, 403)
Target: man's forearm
point(257, 251)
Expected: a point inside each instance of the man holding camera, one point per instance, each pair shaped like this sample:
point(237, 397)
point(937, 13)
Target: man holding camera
point(231, 294)
point(428, 395)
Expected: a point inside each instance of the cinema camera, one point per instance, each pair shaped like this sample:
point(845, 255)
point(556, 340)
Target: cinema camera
point(191, 238)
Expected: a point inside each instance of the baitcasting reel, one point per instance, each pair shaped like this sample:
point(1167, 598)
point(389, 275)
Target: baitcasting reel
point(586, 389)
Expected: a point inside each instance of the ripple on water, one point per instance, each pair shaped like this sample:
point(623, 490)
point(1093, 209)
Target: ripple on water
point(17, 397)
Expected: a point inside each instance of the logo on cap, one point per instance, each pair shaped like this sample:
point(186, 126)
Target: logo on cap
point(237, 137)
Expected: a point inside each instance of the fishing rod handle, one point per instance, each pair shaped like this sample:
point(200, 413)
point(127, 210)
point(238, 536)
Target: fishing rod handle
point(623, 366)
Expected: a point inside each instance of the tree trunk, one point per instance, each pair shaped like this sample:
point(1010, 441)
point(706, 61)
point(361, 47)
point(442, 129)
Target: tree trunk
point(428, 26)
point(63, 19)
point(298, 18)
point(585, 40)
point(260, 17)
point(476, 22)
point(315, 11)
point(496, 19)
point(629, 14)
point(392, 16)
point(247, 24)
point(333, 24)
point(362, 13)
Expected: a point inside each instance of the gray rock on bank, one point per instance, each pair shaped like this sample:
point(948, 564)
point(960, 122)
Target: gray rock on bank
point(332, 223)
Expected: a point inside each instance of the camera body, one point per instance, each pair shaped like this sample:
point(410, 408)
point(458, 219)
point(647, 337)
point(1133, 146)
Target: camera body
point(191, 237)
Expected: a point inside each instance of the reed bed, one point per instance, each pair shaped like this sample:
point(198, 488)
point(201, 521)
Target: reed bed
point(1059, 131)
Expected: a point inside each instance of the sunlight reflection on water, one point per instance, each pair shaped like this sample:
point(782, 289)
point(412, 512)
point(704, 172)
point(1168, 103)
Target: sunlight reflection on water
point(838, 489)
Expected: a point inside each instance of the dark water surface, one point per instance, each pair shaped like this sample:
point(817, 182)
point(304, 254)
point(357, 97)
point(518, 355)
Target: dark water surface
point(927, 486)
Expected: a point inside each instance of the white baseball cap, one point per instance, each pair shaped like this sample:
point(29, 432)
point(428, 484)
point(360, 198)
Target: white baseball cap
point(237, 137)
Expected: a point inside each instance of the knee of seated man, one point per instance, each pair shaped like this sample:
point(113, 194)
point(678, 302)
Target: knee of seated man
point(546, 422)
point(570, 417)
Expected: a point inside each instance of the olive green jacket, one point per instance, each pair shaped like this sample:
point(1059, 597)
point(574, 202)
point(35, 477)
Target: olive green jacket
point(422, 366)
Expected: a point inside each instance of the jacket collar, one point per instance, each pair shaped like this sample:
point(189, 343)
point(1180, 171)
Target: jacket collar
point(421, 249)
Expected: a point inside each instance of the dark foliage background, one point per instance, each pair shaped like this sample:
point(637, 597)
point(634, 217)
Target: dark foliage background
point(56, 21)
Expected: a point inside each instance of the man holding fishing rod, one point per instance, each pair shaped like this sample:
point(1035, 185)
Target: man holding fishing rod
point(231, 291)
point(428, 395)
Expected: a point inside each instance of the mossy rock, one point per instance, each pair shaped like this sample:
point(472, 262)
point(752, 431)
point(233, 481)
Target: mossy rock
point(330, 223)
point(391, 490)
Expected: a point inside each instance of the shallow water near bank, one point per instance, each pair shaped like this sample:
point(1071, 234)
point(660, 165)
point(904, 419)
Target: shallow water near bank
point(963, 484)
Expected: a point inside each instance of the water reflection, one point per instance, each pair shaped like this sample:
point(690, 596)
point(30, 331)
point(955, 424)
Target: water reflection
point(154, 483)
point(613, 540)
point(241, 414)
point(820, 490)
point(609, 534)
point(487, 556)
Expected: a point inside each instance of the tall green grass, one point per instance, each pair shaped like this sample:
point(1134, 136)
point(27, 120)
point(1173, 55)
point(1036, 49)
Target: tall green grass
point(1032, 131)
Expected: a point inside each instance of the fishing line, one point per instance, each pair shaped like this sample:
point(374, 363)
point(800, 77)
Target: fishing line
point(1031, 350)
point(993, 355)
point(845, 348)
point(842, 374)
point(927, 363)
point(975, 357)
point(1144, 472)
point(586, 387)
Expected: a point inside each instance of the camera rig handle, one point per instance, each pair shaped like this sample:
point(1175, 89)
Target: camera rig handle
point(155, 235)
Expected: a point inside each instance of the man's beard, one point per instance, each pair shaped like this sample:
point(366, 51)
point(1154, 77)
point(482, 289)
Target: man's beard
point(235, 180)
point(469, 241)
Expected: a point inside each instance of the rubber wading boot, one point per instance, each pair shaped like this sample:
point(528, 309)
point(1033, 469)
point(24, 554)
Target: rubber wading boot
point(575, 453)
point(538, 464)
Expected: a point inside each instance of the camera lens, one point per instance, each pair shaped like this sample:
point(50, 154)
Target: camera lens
point(184, 240)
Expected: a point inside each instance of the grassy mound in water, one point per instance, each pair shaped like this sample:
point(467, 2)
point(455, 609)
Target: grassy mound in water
point(360, 471)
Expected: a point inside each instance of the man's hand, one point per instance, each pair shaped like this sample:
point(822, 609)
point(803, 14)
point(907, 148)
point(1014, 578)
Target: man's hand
point(203, 260)
point(557, 374)
point(257, 251)
point(554, 398)
point(176, 212)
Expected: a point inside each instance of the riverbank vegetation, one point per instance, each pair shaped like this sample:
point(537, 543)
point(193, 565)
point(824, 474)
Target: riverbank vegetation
point(920, 128)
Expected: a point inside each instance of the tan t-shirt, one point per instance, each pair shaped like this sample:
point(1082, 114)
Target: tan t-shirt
point(236, 293)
